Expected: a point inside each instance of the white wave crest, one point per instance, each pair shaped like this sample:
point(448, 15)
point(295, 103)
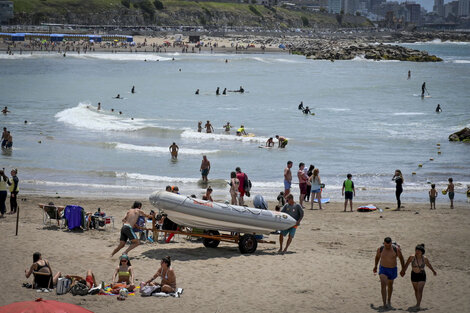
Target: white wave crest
point(86, 116)
point(461, 61)
point(156, 178)
point(211, 136)
point(409, 113)
point(120, 56)
point(156, 149)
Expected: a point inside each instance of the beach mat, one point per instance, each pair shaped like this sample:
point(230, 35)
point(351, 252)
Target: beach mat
point(107, 291)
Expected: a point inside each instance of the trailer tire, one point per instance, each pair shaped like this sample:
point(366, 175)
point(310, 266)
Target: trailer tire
point(247, 244)
point(211, 243)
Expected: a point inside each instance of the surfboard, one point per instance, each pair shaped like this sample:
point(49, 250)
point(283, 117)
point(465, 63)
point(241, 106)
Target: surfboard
point(261, 146)
point(249, 135)
point(312, 113)
point(367, 208)
point(323, 200)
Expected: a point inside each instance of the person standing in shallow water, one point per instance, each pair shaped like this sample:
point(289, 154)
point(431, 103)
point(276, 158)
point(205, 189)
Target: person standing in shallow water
point(205, 168)
point(174, 151)
point(398, 178)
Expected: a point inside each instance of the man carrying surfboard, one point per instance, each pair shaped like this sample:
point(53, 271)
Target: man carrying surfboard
point(387, 255)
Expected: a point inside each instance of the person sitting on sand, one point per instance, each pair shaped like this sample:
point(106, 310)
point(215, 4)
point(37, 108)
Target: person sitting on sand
point(208, 195)
point(123, 276)
point(43, 275)
point(166, 272)
point(270, 142)
point(282, 142)
point(89, 281)
point(387, 254)
point(418, 276)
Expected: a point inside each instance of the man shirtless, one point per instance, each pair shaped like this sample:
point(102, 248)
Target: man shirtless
point(126, 231)
point(5, 137)
point(209, 128)
point(387, 254)
point(287, 178)
point(174, 151)
point(282, 142)
point(205, 168)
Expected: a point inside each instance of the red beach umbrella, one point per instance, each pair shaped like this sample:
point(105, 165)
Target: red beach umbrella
point(42, 306)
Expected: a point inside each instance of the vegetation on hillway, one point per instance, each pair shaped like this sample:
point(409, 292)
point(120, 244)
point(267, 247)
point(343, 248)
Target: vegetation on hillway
point(175, 12)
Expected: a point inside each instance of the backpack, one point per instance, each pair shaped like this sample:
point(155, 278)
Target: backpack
point(63, 285)
point(79, 289)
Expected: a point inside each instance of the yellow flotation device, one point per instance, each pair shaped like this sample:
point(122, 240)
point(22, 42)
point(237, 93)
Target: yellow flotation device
point(444, 191)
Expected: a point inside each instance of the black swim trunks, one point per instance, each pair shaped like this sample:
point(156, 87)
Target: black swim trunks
point(127, 233)
point(348, 195)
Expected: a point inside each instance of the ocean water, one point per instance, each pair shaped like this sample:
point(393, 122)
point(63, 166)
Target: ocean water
point(369, 120)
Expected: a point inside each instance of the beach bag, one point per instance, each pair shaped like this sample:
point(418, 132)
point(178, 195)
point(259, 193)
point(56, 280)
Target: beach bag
point(79, 289)
point(147, 291)
point(63, 285)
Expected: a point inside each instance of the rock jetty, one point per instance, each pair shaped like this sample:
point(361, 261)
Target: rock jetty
point(461, 135)
point(348, 50)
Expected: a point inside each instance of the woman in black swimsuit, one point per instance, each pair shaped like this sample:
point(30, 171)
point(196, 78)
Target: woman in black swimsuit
point(418, 275)
point(43, 277)
point(398, 178)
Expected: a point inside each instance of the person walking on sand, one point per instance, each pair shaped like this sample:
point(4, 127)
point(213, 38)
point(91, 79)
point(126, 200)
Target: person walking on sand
point(315, 180)
point(418, 276)
point(205, 168)
point(450, 192)
point(174, 151)
point(433, 195)
point(348, 192)
point(387, 254)
point(126, 231)
point(398, 178)
point(296, 211)
point(234, 186)
point(287, 178)
point(209, 128)
point(303, 178)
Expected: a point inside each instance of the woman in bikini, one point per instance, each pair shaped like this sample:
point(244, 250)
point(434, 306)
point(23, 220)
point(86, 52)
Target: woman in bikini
point(41, 269)
point(123, 276)
point(168, 283)
point(234, 185)
point(418, 275)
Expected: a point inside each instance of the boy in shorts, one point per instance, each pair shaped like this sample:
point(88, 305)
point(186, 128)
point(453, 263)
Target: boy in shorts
point(433, 195)
point(450, 192)
point(348, 192)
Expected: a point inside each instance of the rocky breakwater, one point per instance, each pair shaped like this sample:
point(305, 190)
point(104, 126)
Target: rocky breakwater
point(461, 135)
point(335, 50)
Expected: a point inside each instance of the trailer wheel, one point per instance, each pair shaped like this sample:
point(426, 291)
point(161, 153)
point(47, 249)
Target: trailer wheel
point(247, 244)
point(211, 243)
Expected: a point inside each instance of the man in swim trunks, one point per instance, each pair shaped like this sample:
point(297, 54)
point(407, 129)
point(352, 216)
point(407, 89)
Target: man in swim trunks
point(450, 192)
point(205, 168)
point(126, 231)
point(294, 210)
point(282, 141)
point(174, 151)
point(287, 178)
point(387, 255)
point(303, 178)
point(209, 128)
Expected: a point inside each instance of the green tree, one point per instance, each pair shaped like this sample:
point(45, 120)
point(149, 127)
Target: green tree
point(126, 3)
point(304, 21)
point(158, 4)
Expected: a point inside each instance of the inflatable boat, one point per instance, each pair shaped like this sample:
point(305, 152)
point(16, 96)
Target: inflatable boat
point(191, 212)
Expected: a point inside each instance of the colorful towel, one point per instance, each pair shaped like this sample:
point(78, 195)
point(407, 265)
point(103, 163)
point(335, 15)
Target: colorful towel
point(107, 291)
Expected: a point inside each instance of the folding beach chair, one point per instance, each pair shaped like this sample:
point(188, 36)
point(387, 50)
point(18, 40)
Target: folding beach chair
point(52, 212)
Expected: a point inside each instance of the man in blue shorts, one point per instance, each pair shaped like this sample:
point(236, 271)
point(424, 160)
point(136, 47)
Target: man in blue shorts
point(294, 210)
point(287, 178)
point(387, 255)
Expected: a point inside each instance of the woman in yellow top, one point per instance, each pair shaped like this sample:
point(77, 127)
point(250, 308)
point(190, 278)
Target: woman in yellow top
point(168, 283)
point(123, 276)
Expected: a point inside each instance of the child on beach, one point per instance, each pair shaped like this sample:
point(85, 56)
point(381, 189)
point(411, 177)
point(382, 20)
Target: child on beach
point(450, 192)
point(348, 192)
point(433, 195)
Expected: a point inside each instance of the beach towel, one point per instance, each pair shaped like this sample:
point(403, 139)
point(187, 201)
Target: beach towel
point(177, 294)
point(107, 291)
point(74, 215)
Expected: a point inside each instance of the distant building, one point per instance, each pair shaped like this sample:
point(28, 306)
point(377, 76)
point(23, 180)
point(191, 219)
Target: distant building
point(438, 7)
point(451, 8)
point(6, 11)
point(350, 6)
point(413, 13)
point(464, 6)
point(334, 6)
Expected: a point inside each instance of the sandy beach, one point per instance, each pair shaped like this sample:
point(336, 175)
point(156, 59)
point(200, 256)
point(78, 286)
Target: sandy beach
point(328, 267)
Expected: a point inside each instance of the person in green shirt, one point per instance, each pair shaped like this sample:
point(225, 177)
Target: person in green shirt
point(348, 192)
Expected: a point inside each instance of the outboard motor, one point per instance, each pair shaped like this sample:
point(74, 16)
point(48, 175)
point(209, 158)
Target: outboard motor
point(259, 202)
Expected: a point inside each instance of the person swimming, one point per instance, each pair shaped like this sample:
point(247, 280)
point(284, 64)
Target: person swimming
point(227, 127)
point(217, 92)
point(133, 89)
point(225, 91)
point(118, 97)
point(301, 105)
point(438, 109)
point(306, 110)
point(197, 92)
